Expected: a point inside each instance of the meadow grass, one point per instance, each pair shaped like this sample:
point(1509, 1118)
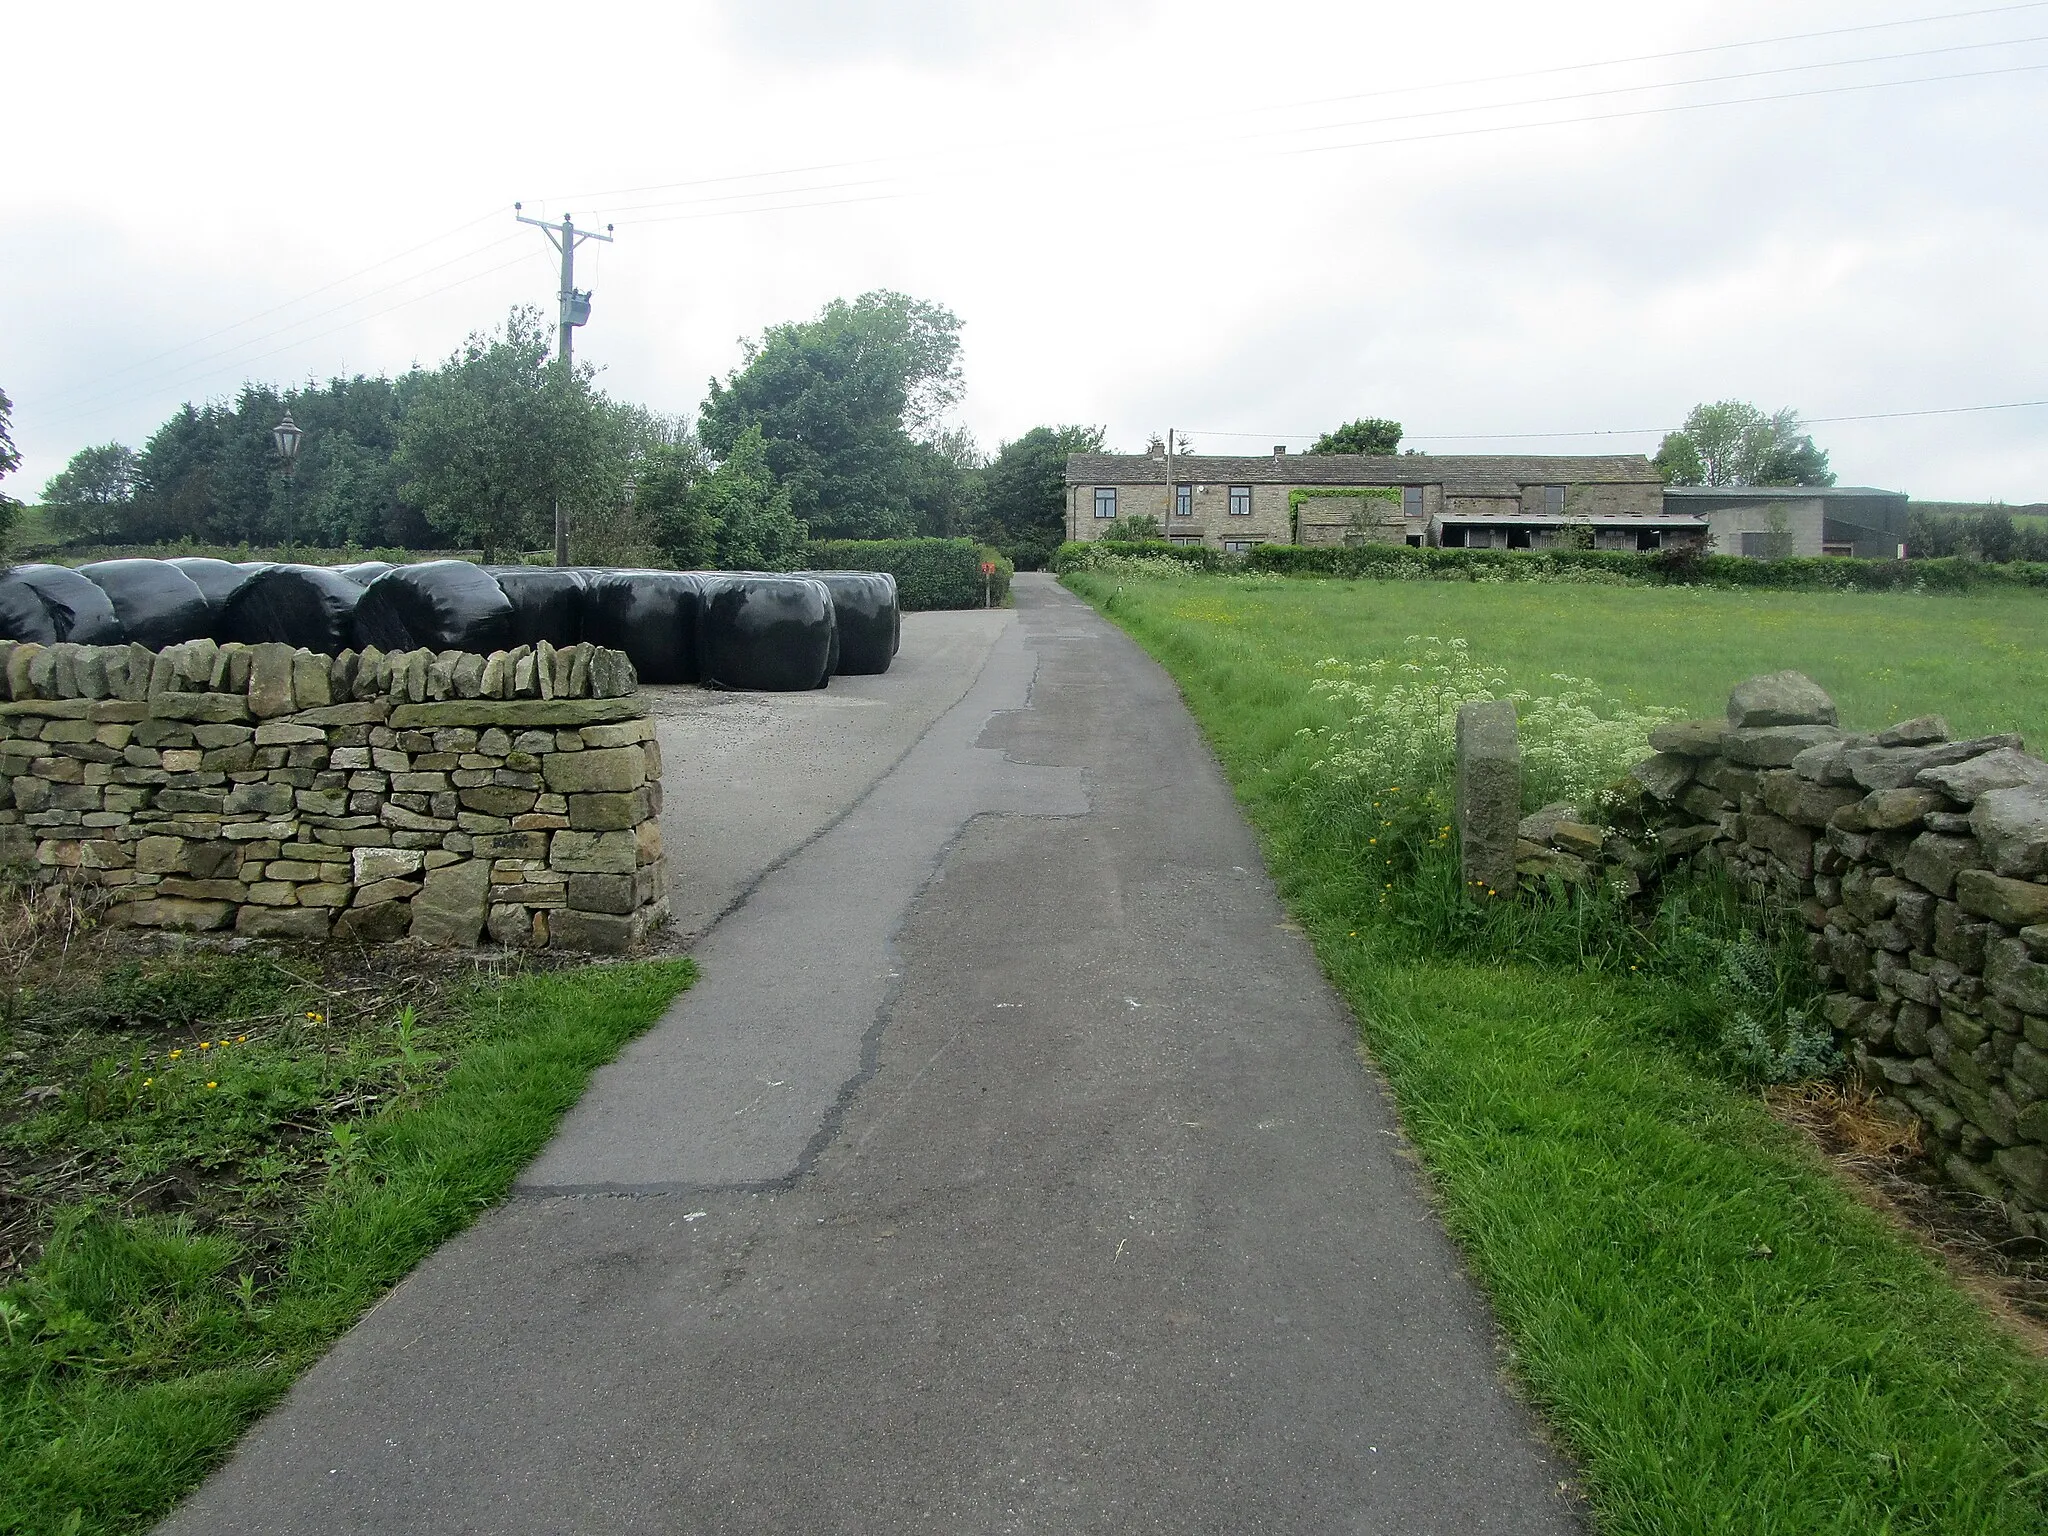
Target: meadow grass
point(1884, 656)
point(1723, 1337)
point(137, 1348)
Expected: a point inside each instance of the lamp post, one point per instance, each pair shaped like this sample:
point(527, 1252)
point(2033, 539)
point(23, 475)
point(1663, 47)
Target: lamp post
point(287, 435)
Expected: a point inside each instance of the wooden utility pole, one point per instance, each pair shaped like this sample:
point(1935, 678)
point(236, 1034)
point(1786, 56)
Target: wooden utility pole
point(575, 310)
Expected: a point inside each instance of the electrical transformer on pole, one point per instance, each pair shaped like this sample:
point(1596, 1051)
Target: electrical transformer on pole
point(575, 310)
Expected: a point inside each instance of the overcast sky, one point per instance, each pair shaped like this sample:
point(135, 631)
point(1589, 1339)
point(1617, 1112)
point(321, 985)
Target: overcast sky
point(1484, 220)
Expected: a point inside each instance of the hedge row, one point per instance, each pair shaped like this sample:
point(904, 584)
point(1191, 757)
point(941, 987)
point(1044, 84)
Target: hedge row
point(930, 573)
point(1078, 555)
point(1670, 567)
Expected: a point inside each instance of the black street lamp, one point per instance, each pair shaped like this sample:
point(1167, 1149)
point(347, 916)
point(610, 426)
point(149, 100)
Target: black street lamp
point(288, 435)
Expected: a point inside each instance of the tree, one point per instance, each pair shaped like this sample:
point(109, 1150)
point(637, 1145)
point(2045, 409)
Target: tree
point(843, 403)
point(91, 496)
point(1024, 492)
point(1369, 434)
point(1731, 442)
point(497, 433)
point(677, 521)
point(211, 472)
point(10, 460)
point(748, 513)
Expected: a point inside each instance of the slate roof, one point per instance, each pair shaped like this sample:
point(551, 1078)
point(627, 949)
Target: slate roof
point(1361, 469)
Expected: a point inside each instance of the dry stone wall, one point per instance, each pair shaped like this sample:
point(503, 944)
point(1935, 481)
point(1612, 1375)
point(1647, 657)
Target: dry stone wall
point(277, 793)
point(1919, 865)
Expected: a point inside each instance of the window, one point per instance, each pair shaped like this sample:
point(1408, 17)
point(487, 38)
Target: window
point(1756, 546)
point(1649, 538)
point(1411, 501)
point(1415, 541)
point(1240, 501)
point(1553, 500)
point(1183, 501)
point(1105, 501)
point(1238, 546)
point(1192, 540)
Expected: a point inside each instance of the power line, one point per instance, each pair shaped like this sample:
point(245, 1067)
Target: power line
point(1669, 85)
point(263, 314)
point(1689, 106)
point(1652, 58)
point(1506, 437)
point(979, 170)
point(186, 368)
point(599, 195)
point(347, 325)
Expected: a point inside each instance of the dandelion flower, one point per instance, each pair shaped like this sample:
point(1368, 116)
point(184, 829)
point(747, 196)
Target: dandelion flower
point(206, 1045)
point(176, 1054)
point(148, 1081)
point(213, 1085)
point(240, 1038)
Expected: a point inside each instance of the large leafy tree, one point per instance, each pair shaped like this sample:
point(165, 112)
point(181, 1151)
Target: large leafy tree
point(1368, 434)
point(1023, 502)
point(492, 437)
point(92, 495)
point(1731, 442)
point(747, 513)
point(677, 520)
point(849, 406)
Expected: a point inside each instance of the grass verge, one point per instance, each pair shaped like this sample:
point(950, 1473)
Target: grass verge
point(1726, 1340)
point(309, 1166)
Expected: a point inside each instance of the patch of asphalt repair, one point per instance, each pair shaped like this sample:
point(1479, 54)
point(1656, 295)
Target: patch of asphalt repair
point(740, 1084)
point(1110, 1228)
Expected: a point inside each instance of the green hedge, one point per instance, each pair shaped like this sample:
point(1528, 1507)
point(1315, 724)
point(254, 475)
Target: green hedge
point(1077, 555)
point(1671, 567)
point(930, 573)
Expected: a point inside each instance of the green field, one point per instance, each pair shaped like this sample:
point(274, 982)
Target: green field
point(1722, 1336)
point(1884, 656)
point(225, 1163)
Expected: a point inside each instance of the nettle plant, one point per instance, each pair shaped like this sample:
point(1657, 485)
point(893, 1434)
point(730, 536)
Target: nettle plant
point(1400, 735)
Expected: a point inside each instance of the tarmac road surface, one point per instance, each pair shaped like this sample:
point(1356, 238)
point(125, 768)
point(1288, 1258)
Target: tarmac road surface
point(1012, 1168)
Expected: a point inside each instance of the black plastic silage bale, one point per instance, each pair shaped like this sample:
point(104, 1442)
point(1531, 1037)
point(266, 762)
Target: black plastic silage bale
point(157, 604)
point(441, 605)
point(23, 613)
point(547, 603)
point(772, 634)
point(296, 605)
point(218, 579)
point(363, 572)
point(651, 616)
point(865, 609)
point(74, 608)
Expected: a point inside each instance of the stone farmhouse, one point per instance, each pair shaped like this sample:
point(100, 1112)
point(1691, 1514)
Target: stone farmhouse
point(1612, 501)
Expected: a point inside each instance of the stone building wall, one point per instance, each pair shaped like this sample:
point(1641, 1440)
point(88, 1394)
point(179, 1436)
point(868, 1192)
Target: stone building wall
point(1919, 866)
point(279, 793)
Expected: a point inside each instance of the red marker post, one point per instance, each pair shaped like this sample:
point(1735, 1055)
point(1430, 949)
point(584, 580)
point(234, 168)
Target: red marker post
point(988, 576)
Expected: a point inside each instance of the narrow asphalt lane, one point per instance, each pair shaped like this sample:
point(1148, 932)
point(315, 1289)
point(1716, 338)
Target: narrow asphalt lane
point(1081, 1212)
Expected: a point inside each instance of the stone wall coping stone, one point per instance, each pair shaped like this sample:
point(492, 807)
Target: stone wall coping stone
point(517, 712)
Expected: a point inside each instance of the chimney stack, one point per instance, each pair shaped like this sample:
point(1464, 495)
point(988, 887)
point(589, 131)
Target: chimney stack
point(1279, 450)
